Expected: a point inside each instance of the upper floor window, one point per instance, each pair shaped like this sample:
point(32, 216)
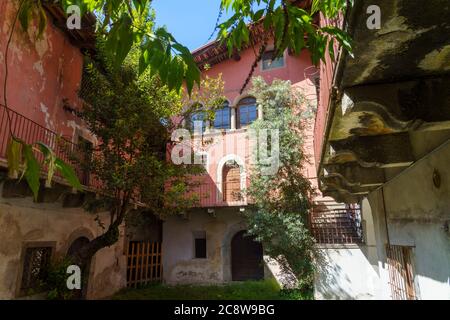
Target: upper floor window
point(196, 117)
point(247, 111)
point(268, 63)
point(222, 118)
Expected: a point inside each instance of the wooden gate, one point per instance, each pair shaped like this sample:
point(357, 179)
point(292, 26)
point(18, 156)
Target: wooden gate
point(144, 263)
point(246, 258)
point(401, 277)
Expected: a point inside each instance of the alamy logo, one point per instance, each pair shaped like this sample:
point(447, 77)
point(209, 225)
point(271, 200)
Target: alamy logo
point(374, 20)
point(74, 280)
point(73, 17)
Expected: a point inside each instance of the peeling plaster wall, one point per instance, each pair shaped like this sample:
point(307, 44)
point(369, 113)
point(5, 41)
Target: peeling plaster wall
point(179, 264)
point(41, 73)
point(417, 215)
point(22, 221)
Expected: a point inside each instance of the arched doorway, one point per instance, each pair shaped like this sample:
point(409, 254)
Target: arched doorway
point(74, 247)
point(231, 182)
point(246, 258)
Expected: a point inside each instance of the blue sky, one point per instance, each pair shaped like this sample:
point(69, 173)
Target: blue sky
point(190, 21)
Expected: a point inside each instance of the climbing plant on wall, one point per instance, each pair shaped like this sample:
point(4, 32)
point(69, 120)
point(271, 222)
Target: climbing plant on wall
point(282, 198)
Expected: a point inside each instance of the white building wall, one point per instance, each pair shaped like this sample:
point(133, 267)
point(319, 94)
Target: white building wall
point(418, 215)
point(179, 263)
point(346, 272)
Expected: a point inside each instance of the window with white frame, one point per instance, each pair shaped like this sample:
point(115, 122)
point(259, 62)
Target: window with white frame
point(269, 62)
point(247, 111)
point(222, 119)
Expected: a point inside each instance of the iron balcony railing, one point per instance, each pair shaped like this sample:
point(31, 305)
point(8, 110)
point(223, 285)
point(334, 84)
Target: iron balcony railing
point(337, 226)
point(30, 132)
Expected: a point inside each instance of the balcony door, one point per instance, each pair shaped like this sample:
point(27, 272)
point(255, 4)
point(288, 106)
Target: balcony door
point(231, 182)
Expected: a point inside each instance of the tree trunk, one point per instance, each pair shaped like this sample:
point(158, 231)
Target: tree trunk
point(107, 239)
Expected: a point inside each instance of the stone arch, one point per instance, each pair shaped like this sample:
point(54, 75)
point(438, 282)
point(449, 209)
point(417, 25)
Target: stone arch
point(239, 98)
point(220, 167)
point(226, 248)
point(77, 238)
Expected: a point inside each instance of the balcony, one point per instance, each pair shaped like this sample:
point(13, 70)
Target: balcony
point(211, 194)
point(30, 132)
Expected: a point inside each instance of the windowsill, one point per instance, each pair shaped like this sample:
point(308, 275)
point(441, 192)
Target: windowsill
point(274, 68)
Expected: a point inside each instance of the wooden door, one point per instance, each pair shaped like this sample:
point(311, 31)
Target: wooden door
point(85, 268)
point(246, 258)
point(231, 183)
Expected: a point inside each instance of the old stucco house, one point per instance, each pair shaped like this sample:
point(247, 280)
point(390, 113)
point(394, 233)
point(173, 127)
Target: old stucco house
point(44, 76)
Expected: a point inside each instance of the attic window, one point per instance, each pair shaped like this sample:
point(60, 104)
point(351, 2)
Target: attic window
point(268, 63)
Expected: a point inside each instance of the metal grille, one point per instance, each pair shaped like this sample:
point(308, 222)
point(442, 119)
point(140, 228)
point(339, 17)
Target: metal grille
point(336, 225)
point(401, 277)
point(34, 267)
point(144, 261)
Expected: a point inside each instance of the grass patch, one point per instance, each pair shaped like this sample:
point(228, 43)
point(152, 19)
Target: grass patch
point(248, 290)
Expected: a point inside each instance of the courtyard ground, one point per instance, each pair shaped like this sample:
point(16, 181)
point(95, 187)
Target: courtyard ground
point(248, 290)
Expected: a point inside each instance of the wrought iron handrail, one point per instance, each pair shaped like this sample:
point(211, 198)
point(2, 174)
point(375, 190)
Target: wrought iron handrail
point(30, 132)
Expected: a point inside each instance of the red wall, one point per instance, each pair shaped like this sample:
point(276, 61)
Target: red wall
point(297, 69)
point(41, 73)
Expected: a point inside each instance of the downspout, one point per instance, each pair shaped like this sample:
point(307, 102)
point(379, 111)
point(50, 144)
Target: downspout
point(385, 216)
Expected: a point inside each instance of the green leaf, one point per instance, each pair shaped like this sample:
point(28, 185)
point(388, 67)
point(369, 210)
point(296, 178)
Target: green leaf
point(68, 173)
point(42, 21)
point(14, 157)
point(32, 171)
point(49, 160)
point(25, 14)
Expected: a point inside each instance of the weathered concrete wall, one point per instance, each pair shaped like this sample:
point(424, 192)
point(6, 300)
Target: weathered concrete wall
point(418, 215)
point(23, 221)
point(179, 264)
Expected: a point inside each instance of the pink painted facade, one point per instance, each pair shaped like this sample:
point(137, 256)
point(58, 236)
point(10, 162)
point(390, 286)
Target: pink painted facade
point(326, 72)
point(43, 76)
point(234, 144)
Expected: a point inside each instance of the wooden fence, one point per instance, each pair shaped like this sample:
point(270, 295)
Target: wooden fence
point(144, 263)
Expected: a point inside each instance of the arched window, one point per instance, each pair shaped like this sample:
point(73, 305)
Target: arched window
point(197, 116)
point(247, 111)
point(222, 119)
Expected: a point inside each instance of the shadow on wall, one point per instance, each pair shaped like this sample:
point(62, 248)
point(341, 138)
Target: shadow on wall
point(339, 276)
point(284, 277)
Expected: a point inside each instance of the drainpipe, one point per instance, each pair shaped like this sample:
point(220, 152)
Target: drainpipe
point(385, 216)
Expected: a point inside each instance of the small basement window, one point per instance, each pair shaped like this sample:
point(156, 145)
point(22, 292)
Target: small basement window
point(268, 63)
point(35, 264)
point(200, 244)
